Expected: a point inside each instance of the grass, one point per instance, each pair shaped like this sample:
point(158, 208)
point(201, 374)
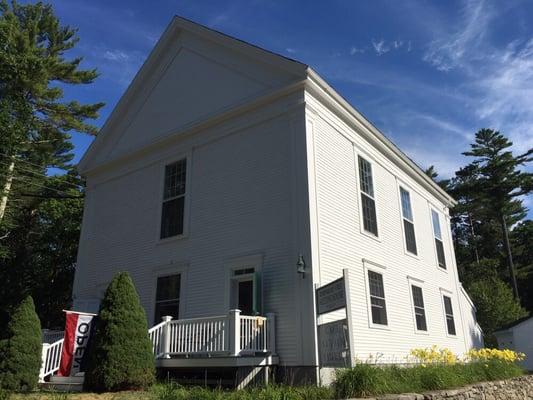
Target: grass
point(368, 380)
point(360, 381)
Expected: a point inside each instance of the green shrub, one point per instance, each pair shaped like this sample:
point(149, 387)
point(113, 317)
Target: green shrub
point(121, 353)
point(20, 352)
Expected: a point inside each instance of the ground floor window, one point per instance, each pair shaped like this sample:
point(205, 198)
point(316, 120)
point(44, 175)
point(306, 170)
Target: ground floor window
point(167, 298)
point(448, 309)
point(377, 298)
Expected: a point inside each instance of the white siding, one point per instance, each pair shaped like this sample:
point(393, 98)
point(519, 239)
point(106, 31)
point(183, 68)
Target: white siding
point(518, 338)
point(342, 244)
point(241, 203)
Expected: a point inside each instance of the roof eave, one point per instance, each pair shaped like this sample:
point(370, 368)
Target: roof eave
point(373, 134)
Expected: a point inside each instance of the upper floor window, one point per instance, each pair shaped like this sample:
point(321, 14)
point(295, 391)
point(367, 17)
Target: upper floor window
point(368, 202)
point(438, 239)
point(408, 224)
point(419, 309)
point(377, 298)
point(448, 310)
point(173, 210)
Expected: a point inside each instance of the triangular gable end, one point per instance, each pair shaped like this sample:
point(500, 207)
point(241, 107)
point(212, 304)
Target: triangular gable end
point(193, 73)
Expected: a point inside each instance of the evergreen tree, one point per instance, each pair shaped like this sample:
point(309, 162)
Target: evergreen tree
point(35, 126)
point(498, 186)
point(121, 355)
point(20, 352)
point(493, 298)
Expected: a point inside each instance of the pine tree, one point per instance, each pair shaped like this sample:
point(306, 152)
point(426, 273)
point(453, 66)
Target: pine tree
point(34, 121)
point(499, 184)
point(35, 127)
point(20, 352)
point(121, 355)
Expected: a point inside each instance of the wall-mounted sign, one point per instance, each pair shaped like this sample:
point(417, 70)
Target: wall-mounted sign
point(333, 347)
point(331, 297)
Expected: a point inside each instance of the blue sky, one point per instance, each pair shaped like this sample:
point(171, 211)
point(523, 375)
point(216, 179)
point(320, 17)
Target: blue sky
point(428, 74)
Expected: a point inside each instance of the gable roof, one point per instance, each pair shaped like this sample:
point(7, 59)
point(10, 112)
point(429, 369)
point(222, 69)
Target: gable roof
point(513, 324)
point(291, 66)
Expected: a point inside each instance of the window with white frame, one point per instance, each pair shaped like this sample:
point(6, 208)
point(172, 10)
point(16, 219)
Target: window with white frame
point(173, 209)
point(419, 309)
point(439, 245)
point(377, 298)
point(448, 310)
point(368, 202)
point(167, 297)
point(408, 223)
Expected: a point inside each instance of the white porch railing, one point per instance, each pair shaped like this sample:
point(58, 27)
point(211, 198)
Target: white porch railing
point(51, 358)
point(231, 334)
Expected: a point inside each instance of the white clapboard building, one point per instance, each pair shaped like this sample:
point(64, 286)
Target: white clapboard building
point(231, 178)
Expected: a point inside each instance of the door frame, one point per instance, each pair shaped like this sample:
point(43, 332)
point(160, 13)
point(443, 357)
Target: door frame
point(254, 261)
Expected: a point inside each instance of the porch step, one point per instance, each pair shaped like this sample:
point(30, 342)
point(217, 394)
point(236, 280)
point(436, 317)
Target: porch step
point(64, 383)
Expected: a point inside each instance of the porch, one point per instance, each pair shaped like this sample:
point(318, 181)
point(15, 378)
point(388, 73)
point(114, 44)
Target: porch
point(231, 340)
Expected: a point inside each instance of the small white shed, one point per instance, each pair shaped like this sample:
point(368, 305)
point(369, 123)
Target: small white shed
point(518, 336)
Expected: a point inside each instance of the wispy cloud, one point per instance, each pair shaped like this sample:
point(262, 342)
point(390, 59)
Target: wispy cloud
point(499, 79)
point(380, 47)
point(357, 50)
point(456, 47)
point(290, 50)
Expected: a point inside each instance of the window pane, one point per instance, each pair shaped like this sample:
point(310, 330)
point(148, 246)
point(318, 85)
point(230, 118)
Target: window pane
point(448, 305)
point(418, 298)
point(451, 325)
point(175, 176)
point(379, 315)
point(365, 177)
point(166, 308)
point(172, 217)
point(168, 287)
point(410, 240)
point(406, 204)
point(369, 214)
point(421, 324)
point(436, 224)
point(375, 282)
point(440, 253)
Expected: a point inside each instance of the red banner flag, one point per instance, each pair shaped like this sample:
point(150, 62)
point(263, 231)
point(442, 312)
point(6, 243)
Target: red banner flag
point(78, 328)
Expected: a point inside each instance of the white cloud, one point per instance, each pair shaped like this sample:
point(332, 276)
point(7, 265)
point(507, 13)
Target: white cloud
point(500, 79)
point(290, 50)
point(116, 55)
point(451, 50)
point(380, 47)
point(354, 50)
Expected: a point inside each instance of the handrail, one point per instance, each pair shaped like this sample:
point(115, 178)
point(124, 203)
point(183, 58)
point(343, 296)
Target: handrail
point(51, 358)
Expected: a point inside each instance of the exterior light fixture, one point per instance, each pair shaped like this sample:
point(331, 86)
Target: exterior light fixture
point(301, 265)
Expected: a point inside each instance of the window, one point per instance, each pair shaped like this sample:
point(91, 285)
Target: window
point(438, 239)
point(408, 225)
point(377, 298)
point(167, 297)
point(173, 212)
point(368, 202)
point(448, 310)
point(420, 313)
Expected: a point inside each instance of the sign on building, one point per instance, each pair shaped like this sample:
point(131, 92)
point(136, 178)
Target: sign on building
point(334, 350)
point(331, 297)
point(334, 338)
